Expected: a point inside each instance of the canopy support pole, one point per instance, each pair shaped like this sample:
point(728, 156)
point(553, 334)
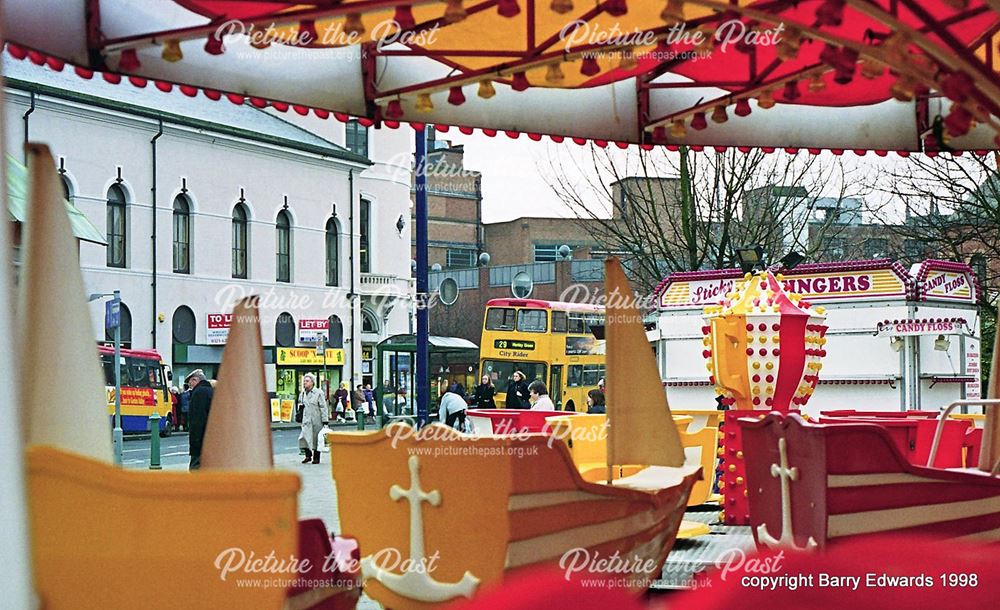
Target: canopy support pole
point(422, 374)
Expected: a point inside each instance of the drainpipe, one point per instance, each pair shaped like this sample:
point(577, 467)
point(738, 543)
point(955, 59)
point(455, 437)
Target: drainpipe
point(479, 218)
point(152, 189)
point(24, 117)
point(351, 295)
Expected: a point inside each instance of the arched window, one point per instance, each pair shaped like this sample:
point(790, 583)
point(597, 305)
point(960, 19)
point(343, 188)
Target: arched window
point(284, 330)
point(67, 188)
point(335, 336)
point(117, 227)
point(284, 247)
point(332, 254)
point(125, 323)
point(369, 325)
point(182, 235)
point(184, 325)
point(240, 242)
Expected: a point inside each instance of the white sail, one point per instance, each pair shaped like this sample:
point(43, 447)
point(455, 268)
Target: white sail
point(15, 578)
point(64, 401)
point(238, 433)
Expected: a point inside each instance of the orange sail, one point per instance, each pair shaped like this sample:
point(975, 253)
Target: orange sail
point(641, 430)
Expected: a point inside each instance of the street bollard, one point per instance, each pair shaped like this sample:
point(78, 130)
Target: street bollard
point(154, 441)
point(360, 415)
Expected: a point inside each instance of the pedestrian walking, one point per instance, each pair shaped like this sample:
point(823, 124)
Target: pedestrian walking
point(370, 401)
point(185, 402)
point(175, 406)
point(200, 405)
point(340, 400)
point(315, 415)
point(595, 402)
point(517, 392)
point(358, 402)
point(484, 393)
point(540, 400)
point(452, 410)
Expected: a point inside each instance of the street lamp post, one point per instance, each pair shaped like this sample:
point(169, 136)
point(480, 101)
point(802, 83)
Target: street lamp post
point(116, 435)
point(113, 319)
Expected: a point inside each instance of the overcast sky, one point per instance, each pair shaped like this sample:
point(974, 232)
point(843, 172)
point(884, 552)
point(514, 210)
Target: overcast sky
point(512, 184)
point(514, 172)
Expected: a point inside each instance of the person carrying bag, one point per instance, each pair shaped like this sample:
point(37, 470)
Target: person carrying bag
point(315, 414)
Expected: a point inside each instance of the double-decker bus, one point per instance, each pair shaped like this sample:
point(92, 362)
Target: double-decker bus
point(144, 380)
point(548, 340)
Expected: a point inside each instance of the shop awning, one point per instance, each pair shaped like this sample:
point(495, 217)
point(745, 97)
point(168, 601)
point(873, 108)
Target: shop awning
point(438, 345)
point(882, 75)
point(17, 188)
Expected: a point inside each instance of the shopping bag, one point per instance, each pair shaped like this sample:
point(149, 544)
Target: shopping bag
point(321, 441)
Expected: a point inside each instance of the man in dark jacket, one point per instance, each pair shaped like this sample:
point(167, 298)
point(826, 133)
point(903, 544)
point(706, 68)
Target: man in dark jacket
point(200, 404)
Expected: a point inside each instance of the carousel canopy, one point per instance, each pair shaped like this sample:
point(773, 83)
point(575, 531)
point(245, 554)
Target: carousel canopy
point(902, 75)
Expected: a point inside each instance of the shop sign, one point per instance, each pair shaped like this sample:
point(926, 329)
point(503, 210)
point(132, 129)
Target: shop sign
point(218, 328)
point(909, 328)
point(313, 331)
point(306, 356)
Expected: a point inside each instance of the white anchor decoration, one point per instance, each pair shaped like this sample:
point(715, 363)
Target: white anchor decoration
point(418, 584)
point(786, 474)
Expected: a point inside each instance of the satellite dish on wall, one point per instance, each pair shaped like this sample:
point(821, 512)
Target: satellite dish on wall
point(521, 285)
point(448, 291)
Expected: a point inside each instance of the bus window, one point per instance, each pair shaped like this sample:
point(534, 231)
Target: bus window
point(581, 324)
point(500, 371)
point(155, 374)
point(109, 369)
point(592, 373)
point(574, 377)
point(500, 318)
point(532, 321)
point(138, 373)
point(107, 360)
point(558, 321)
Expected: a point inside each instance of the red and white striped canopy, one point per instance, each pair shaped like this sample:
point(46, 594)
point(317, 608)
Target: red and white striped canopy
point(903, 75)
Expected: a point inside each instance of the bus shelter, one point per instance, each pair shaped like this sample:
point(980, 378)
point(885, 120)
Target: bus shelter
point(451, 359)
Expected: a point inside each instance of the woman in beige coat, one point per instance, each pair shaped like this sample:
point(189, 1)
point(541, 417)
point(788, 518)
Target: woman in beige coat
point(315, 414)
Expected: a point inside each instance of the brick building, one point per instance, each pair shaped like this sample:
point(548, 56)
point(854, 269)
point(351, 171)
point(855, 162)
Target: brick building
point(574, 280)
point(454, 208)
point(537, 240)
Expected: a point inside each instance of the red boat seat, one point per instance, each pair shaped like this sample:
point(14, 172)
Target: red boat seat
point(514, 421)
point(342, 587)
point(973, 441)
point(913, 434)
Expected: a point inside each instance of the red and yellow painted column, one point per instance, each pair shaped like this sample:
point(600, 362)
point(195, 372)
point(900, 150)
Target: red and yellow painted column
point(764, 348)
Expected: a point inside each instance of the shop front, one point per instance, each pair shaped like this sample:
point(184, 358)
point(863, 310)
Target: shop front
point(293, 363)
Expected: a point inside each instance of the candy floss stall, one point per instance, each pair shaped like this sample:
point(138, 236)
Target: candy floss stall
point(895, 340)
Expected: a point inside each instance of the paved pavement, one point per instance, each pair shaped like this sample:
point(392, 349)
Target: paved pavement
point(317, 498)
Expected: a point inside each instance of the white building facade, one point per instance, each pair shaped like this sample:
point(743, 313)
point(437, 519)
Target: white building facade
point(205, 202)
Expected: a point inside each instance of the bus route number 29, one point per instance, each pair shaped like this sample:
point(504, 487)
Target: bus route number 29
point(512, 344)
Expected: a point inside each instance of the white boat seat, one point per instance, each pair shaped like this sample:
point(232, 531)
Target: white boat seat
point(656, 477)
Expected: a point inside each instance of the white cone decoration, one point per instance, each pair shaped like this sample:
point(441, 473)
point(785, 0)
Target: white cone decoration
point(64, 401)
point(238, 433)
point(15, 578)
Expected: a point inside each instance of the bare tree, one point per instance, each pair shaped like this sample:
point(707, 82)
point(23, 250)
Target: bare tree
point(945, 207)
point(665, 211)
